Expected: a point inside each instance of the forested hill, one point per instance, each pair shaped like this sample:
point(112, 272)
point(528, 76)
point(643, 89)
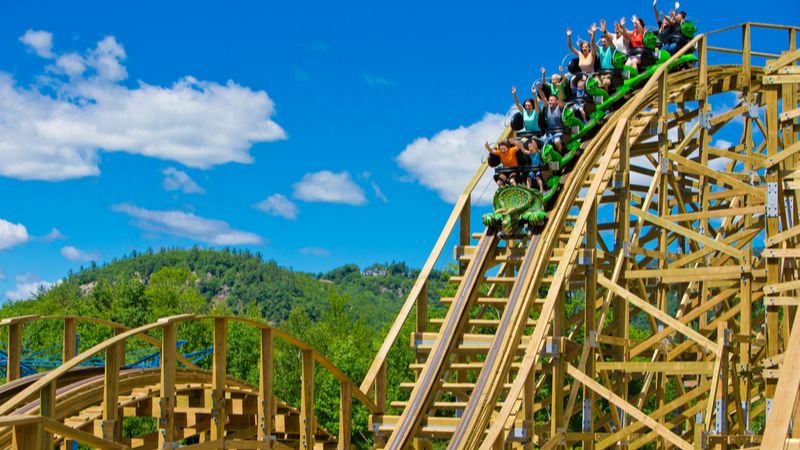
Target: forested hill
point(144, 286)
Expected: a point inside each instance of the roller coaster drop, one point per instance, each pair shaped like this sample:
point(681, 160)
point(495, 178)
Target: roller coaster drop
point(655, 222)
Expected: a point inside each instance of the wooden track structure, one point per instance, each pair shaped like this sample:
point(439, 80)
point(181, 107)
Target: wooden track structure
point(88, 405)
point(659, 221)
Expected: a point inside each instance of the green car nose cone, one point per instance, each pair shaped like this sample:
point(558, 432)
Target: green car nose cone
point(688, 29)
point(619, 59)
point(650, 40)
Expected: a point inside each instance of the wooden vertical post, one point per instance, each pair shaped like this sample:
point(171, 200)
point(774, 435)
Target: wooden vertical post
point(772, 264)
point(109, 424)
point(307, 426)
point(529, 398)
point(620, 304)
point(345, 415)
point(464, 237)
point(219, 373)
point(379, 440)
point(558, 372)
point(422, 309)
point(26, 436)
point(69, 348)
point(47, 401)
point(265, 382)
point(721, 399)
point(14, 351)
point(590, 282)
point(166, 426)
point(663, 211)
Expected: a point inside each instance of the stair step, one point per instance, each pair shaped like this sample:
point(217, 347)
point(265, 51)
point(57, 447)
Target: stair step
point(437, 405)
point(499, 280)
point(482, 322)
point(474, 343)
point(450, 386)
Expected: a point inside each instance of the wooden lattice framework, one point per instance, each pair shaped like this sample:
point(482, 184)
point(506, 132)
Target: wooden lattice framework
point(657, 221)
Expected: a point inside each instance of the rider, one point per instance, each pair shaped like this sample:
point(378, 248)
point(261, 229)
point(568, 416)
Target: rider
point(553, 113)
point(531, 149)
point(588, 51)
point(636, 38)
point(605, 52)
point(530, 111)
point(554, 87)
point(676, 39)
point(508, 157)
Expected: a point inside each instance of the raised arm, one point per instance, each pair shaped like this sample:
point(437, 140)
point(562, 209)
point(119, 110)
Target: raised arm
point(536, 96)
point(622, 30)
point(569, 42)
point(516, 100)
point(561, 97)
point(543, 73)
point(592, 32)
point(655, 11)
point(488, 148)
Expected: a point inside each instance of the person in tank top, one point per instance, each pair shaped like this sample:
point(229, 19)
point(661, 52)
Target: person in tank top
point(530, 111)
point(588, 51)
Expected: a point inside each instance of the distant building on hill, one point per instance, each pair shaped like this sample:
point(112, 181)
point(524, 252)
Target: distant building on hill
point(374, 272)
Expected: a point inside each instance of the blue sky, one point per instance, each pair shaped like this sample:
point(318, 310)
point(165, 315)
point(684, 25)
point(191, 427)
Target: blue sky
point(317, 133)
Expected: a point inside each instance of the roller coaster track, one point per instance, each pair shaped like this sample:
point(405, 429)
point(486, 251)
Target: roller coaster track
point(677, 247)
point(656, 308)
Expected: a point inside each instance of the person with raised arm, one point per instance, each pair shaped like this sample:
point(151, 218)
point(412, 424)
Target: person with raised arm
point(588, 52)
point(535, 173)
point(556, 84)
point(530, 111)
point(605, 51)
point(553, 113)
point(636, 38)
point(508, 157)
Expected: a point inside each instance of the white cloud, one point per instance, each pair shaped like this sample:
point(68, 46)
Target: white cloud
point(53, 235)
point(278, 205)
point(71, 64)
point(446, 162)
point(2, 275)
point(177, 180)
point(40, 42)
point(57, 132)
point(378, 81)
point(27, 285)
point(378, 192)
point(75, 254)
point(12, 234)
point(315, 251)
point(187, 225)
point(329, 187)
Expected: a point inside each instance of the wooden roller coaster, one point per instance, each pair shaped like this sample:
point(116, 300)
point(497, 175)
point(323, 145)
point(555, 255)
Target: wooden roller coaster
point(656, 308)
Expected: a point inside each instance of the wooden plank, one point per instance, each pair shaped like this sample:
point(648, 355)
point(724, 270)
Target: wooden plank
point(780, 79)
point(657, 313)
point(785, 393)
point(307, 420)
point(167, 435)
point(780, 157)
point(14, 358)
point(345, 416)
point(782, 236)
point(788, 116)
point(266, 401)
point(666, 367)
point(219, 372)
point(787, 58)
point(633, 411)
point(69, 342)
point(693, 274)
point(26, 436)
point(780, 253)
point(715, 213)
point(781, 287)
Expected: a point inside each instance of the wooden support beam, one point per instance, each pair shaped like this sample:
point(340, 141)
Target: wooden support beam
point(167, 435)
point(307, 421)
point(660, 315)
point(345, 415)
point(780, 416)
point(633, 411)
point(266, 401)
point(14, 358)
point(47, 402)
point(110, 423)
point(219, 372)
point(69, 347)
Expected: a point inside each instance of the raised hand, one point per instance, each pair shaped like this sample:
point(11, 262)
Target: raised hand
point(569, 32)
point(543, 71)
point(622, 21)
point(593, 28)
point(514, 90)
point(603, 25)
point(654, 2)
point(534, 88)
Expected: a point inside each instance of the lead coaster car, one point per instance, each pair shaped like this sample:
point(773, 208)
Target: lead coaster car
point(515, 207)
